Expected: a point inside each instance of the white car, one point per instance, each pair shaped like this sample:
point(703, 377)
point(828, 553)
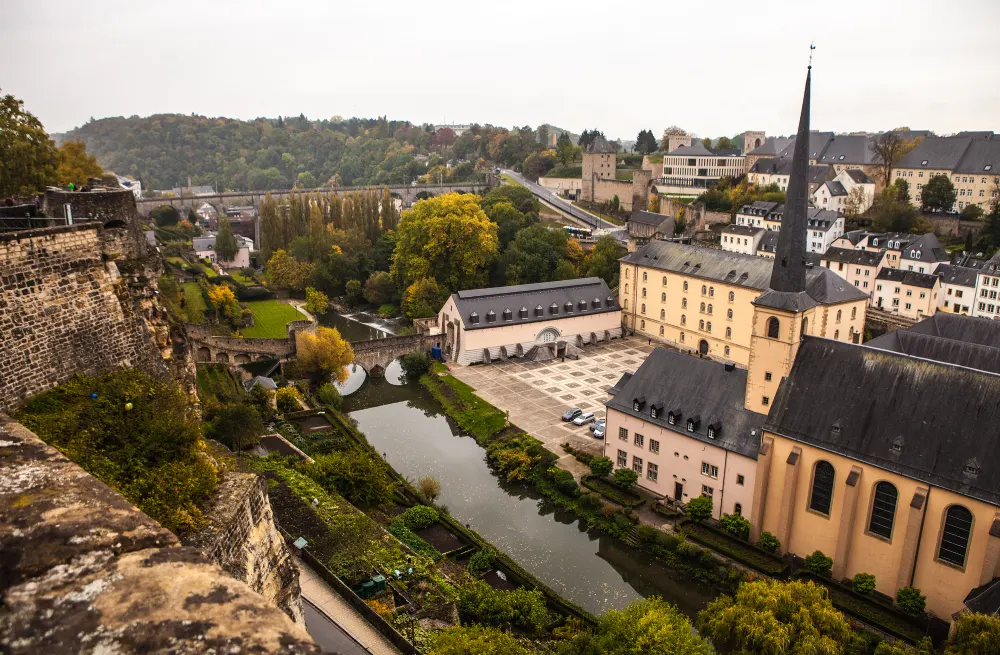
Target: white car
point(583, 419)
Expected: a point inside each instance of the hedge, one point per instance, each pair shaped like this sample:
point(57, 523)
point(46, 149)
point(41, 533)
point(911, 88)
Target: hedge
point(735, 548)
point(612, 492)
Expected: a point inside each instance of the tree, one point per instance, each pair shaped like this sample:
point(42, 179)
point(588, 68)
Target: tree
point(902, 188)
point(423, 298)
point(543, 135)
point(890, 214)
point(537, 164)
point(975, 634)
point(262, 400)
point(225, 241)
point(856, 203)
point(938, 194)
point(164, 215)
point(724, 143)
point(272, 228)
point(707, 142)
point(75, 165)
point(449, 238)
point(328, 395)
point(910, 601)
point(509, 220)
point(29, 157)
point(317, 303)
point(224, 300)
point(649, 625)
point(645, 142)
point(603, 261)
point(359, 475)
point(414, 365)
point(615, 203)
point(287, 399)
point(354, 292)
point(819, 564)
point(654, 203)
point(588, 137)
point(699, 509)
point(380, 289)
point(238, 427)
point(625, 478)
point(680, 223)
point(566, 152)
point(444, 138)
point(285, 271)
point(601, 466)
point(534, 254)
point(887, 149)
point(972, 213)
point(476, 640)
point(673, 130)
point(767, 616)
point(323, 354)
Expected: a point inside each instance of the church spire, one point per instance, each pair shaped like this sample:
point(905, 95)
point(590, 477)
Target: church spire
point(789, 271)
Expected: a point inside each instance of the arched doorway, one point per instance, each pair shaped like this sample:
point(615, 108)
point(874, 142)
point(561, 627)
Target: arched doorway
point(703, 347)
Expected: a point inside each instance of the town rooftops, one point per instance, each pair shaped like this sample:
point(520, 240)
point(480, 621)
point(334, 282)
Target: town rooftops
point(854, 257)
point(530, 303)
point(742, 230)
point(681, 387)
point(821, 219)
point(929, 421)
point(648, 218)
point(696, 149)
point(854, 236)
point(759, 208)
point(982, 157)
point(203, 244)
point(816, 173)
point(847, 149)
point(818, 141)
point(925, 248)
point(599, 146)
point(620, 384)
point(909, 278)
point(822, 285)
point(858, 176)
point(768, 242)
point(943, 153)
point(835, 188)
point(771, 147)
point(950, 338)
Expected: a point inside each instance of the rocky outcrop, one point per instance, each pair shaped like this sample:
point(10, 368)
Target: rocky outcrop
point(244, 540)
point(83, 571)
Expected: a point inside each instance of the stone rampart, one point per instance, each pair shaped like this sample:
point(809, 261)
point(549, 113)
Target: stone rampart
point(83, 571)
point(114, 210)
point(238, 350)
point(64, 310)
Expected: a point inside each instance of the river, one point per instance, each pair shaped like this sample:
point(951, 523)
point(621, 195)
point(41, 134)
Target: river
point(595, 571)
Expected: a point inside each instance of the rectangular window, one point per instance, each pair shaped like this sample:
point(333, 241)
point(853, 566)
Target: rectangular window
point(767, 376)
point(637, 465)
point(707, 491)
point(622, 459)
point(710, 470)
point(651, 471)
point(704, 468)
point(765, 401)
point(623, 434)
point(739, 480)
point(639, 439)
point(654, 446)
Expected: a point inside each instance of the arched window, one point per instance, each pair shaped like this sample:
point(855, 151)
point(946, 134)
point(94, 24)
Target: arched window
point(729, 314)
point(854, 313)
point(732, 296)
point(685, 285)
point(704, 290)
point(644, 292)
point(727, 351)
point(661, 330)
point(708, 326)
point(625, 306)
point(772, 328)
point(701, 325)
point(683, 319)
point(663, 297)
point(729, 333)
point(709, 308)
point(702, 308)
point(644, 276)
point(684, 303)
point(626, 288)
point(663, 314)
point(822, 491)
point(664, 280)
point(642, 325)
point(628, 273)
point(711, 292)
point(836, 334)
point(883, 510)
point(955, 537)
point(682, 335)
point(643, 308)
point(839, 312)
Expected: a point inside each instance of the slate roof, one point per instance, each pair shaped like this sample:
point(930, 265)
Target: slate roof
point(768, 242)
point(855, 257)
point(939, 349)
point(910, 278)
point(970, 329)
point(742, 230)
point(821, 219)
point(854, 236)
point(620, 384)
point(980, 134)
point(750, 271)
point(835, 188)
point(942, 417)
point(939, 153)
point(696, 149)
point(759, 208)
point(648, 218)
point(816, 173)
point(818, 141)
point(925, 248)
point(698, 387)
point(599, 146)
point(202, 244)
point(982, 157)
point(986, 598)
point(531, 296)
point(771, 146)
point(958, 275)
point(858, 176)
point(847, 149)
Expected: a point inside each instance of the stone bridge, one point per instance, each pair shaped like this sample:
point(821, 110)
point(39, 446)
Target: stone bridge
point(375, 356)
point(407, 193)
point(235, 350)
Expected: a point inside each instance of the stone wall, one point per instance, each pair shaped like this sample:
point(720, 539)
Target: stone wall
point(114, 210)
point(244, 540)
point(63, 310)
point(83, 571)
point(697, 217)
point(208, 348)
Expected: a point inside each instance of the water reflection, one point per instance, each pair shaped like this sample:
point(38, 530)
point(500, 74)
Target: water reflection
point(596, 572)
point(356, 377)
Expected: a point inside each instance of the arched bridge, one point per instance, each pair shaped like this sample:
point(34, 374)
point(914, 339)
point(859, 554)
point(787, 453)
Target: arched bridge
point(375, 356)
point(407, 193)
point(237, 350)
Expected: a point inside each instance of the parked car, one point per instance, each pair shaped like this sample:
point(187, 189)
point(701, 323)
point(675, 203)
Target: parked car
point(599, 423)
point(584, 419)
point(599, 431)
point(572, 414)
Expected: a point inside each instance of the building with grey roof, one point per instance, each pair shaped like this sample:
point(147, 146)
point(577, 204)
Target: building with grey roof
point(531, 321)
point(970, 160)
point(950, 338)
point(923, 254)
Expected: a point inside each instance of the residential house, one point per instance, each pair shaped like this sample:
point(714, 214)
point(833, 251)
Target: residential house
point(766, 172)
point(644, 226)
point(858, 267)
point(923, 254)
point(835, 194)
point(958, 288)
point(741, 238)
point(204, 248)
point(987, 288)
point(907, 293)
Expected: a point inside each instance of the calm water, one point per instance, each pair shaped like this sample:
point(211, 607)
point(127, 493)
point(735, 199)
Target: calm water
point(405, 423)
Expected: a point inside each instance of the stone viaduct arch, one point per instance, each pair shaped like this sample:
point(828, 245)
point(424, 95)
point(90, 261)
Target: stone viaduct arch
point(375, 356)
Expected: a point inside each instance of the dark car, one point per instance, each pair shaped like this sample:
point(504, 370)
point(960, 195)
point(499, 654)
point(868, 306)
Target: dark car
point(572, 414)
point(599, 431)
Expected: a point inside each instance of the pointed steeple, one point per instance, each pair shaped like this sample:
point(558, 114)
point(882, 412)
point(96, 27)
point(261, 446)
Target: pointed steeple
point(789, 271)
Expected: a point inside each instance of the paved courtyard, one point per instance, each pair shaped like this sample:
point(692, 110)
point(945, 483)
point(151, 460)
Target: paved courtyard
point(537, 393)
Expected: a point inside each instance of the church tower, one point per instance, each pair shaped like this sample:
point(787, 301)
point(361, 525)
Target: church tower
point(782, 314)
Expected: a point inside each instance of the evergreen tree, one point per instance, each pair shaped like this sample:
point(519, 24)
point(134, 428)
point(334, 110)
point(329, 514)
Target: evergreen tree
point(272, 228)
point(225, 242)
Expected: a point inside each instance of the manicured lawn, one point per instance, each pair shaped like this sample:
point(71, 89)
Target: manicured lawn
point(179, 262)
point(208, 270)
point(270, 318)
point(242, 279)
point(566, 172)
point(194, 302)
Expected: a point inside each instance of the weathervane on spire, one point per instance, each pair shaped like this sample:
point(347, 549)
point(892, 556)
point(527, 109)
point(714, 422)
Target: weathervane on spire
point(812, 47)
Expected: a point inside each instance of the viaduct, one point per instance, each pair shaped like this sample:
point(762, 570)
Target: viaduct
point(407, 193)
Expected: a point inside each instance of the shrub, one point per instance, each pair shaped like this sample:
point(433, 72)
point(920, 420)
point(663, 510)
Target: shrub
point(237, 426)
point(164, 215)
point(358, 475)
point(419, 517)
point(416, 544)
point(601, 466)
point(317, 302)
point(863, 583)
point(647, 533)
point(564, 481)
point(386, 311)
point(626, 478)
point(707, 559)
point(429, 487)
point(327, 394)
point(353, 292)
point(911, 601)
point(591, 501)
point(480, 603)
point(414, 365)
point(481, 561)
point(288, 400)
point(699, 509)
point(736, 525)
point(819, 564)
point(687, 549)
point(621, 520)
point(768, 542)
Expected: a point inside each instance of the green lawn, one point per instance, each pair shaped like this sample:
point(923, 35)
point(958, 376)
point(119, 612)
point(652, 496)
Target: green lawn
point(270, 318)
point(566, 171)
point(242, 279)
point(194, 302)
point(179, 262)
point(208, 270)
point(606, 217)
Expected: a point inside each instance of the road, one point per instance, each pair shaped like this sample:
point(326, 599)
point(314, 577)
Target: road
point(563, 205)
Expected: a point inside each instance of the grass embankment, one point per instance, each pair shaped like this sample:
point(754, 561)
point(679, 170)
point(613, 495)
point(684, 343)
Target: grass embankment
point(566, 172)
point(605, 217)
point(194, 302)
point(473, 414)
point(215, 382)
point(270, 318)
point(242, 279)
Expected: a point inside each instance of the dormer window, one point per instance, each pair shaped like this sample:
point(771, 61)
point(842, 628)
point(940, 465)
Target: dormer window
point(691, 427)
point(508, 315)
point(923, 163)
point(611, 301)
point(596, 302)
point(693, 423)
point(638, 403)
point(523, 313)
point(568, 306)
point(897, 446)
point(652, 412)
point(582, 305)
point(491, 316)
point(539, 311)
point(836, 429)
point(714, 430)
point(656, 410)
point(971, 467)
point(553, 309)
point(474, 318)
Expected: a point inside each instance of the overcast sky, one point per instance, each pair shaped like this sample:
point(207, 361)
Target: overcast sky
point(713, 67)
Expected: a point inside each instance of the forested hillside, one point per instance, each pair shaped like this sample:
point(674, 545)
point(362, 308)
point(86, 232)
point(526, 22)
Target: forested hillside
point(164, 149)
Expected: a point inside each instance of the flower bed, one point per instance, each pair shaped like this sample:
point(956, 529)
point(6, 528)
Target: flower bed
point(612, 491)
point(737, 549)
